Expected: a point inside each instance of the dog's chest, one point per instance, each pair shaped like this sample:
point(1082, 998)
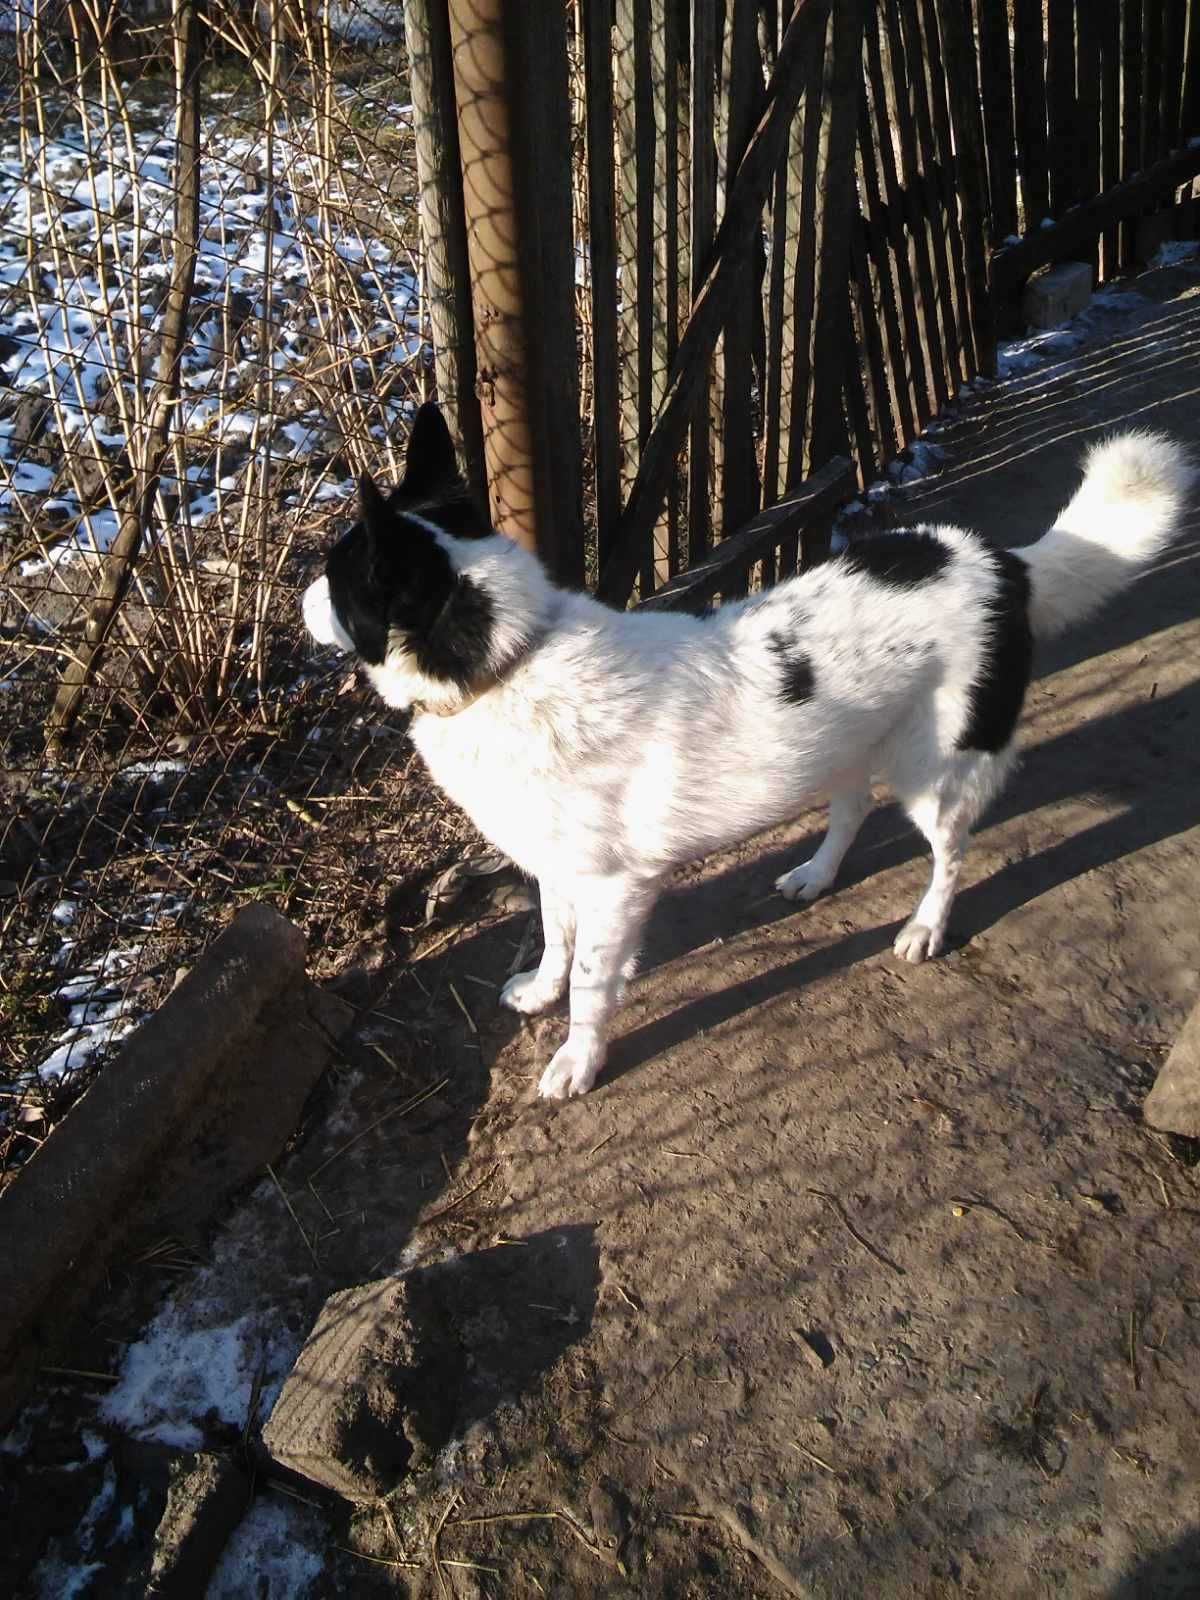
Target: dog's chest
point(483, 769)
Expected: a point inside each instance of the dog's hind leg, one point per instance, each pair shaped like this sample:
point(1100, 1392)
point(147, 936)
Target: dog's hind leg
point(946, 810)
point(611, 913)
point(848, 810)
point(531, 992)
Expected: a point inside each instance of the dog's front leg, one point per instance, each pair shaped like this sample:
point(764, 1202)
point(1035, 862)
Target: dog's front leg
point(531, 992)
point(610, 913)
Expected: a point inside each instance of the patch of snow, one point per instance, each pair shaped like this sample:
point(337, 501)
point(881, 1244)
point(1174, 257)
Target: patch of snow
point(156, 771)
point(178, 1377)
point(56, 1579)
point(74, 1050)
point(276, 1552)
point(1174, 252)
point(65, 912)
point(101, 1503)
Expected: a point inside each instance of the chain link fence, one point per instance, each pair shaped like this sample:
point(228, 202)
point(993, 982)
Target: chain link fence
point(211, 319)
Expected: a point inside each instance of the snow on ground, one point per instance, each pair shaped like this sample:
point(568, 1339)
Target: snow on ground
point(276, 1552)
point(67, 329)
point(197, 1366)
point(1112, 310)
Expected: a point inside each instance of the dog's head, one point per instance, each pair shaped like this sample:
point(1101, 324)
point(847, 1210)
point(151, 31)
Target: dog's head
point(399, 588)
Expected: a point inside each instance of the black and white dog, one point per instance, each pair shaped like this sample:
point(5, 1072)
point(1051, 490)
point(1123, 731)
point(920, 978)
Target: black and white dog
point(600, 749)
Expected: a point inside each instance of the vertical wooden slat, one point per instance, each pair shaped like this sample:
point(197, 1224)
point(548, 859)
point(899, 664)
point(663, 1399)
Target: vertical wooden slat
point(1029, 74)
point(996, 85)
point(1110, 120)
point(535, 47)
point(602, 244)
point(1152, 80)
point(835, 361)
point(785, 200)
point(1131, 114)
point(627, 240)
point(888, 292)
point(651, 368)
point(969, 175)
point(900, 103)
point(1060, 103)
point(656, 255)
point(444, 228)
point(804, 281)
point(675, 228)
point(1174, 46)
point(743, 89)
point(950, 186)
point(1088, 81)
point(703, 206)
point(878, 139)
point(873, 425)
point(1190, 95)
point(489, 204)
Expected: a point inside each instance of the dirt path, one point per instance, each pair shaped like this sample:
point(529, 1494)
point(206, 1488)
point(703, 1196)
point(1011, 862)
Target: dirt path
point(897, 1297)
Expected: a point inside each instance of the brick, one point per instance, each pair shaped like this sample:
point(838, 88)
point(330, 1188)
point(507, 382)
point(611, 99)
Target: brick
point(1056, 293)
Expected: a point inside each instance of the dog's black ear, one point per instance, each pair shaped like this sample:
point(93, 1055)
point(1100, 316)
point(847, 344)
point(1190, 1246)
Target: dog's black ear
point(431, 468)
point(372, 506)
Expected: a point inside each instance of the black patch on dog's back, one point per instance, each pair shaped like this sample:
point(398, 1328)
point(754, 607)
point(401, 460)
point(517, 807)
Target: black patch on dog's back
point(998, 692)
point(798, 682)
point(900, 559)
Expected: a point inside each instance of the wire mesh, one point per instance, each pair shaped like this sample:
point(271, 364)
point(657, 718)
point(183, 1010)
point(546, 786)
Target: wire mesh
point(213, 758)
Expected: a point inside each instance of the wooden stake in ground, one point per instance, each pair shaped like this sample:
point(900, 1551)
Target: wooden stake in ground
point(514, 144)
point(150, 449)
point(1173, 1105)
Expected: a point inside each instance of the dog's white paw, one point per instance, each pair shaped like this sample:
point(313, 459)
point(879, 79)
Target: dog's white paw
point(572, 1071)
point(802, 883)
point(915, 942)
point(526, 994)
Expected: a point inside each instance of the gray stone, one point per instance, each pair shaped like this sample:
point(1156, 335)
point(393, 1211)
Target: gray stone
point(364, 1403)
point(1173, 1104)
point(1056, 293)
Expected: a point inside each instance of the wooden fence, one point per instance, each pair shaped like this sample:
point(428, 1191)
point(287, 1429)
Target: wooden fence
point(795, 229)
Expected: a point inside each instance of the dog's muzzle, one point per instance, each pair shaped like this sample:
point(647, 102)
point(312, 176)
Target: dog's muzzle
point(320, 618)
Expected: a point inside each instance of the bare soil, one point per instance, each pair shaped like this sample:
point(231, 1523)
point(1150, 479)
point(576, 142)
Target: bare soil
point(873, 1282)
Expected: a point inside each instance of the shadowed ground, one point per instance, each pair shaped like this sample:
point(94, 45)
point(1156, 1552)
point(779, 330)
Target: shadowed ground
point(898, 1297)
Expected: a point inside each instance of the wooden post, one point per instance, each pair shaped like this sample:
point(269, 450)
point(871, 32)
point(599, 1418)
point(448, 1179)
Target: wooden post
point(511, 92)
point(444, 228)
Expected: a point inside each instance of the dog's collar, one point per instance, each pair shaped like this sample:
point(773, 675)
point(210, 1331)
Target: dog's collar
point(481, 686)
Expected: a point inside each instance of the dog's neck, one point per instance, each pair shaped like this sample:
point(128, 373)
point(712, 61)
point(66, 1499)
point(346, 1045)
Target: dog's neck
point(482, 685)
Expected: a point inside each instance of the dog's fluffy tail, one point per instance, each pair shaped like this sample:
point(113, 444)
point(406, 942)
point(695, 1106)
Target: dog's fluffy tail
point(1125, 513)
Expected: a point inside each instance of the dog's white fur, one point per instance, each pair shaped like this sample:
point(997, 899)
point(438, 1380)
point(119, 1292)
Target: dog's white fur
point(616, 746)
